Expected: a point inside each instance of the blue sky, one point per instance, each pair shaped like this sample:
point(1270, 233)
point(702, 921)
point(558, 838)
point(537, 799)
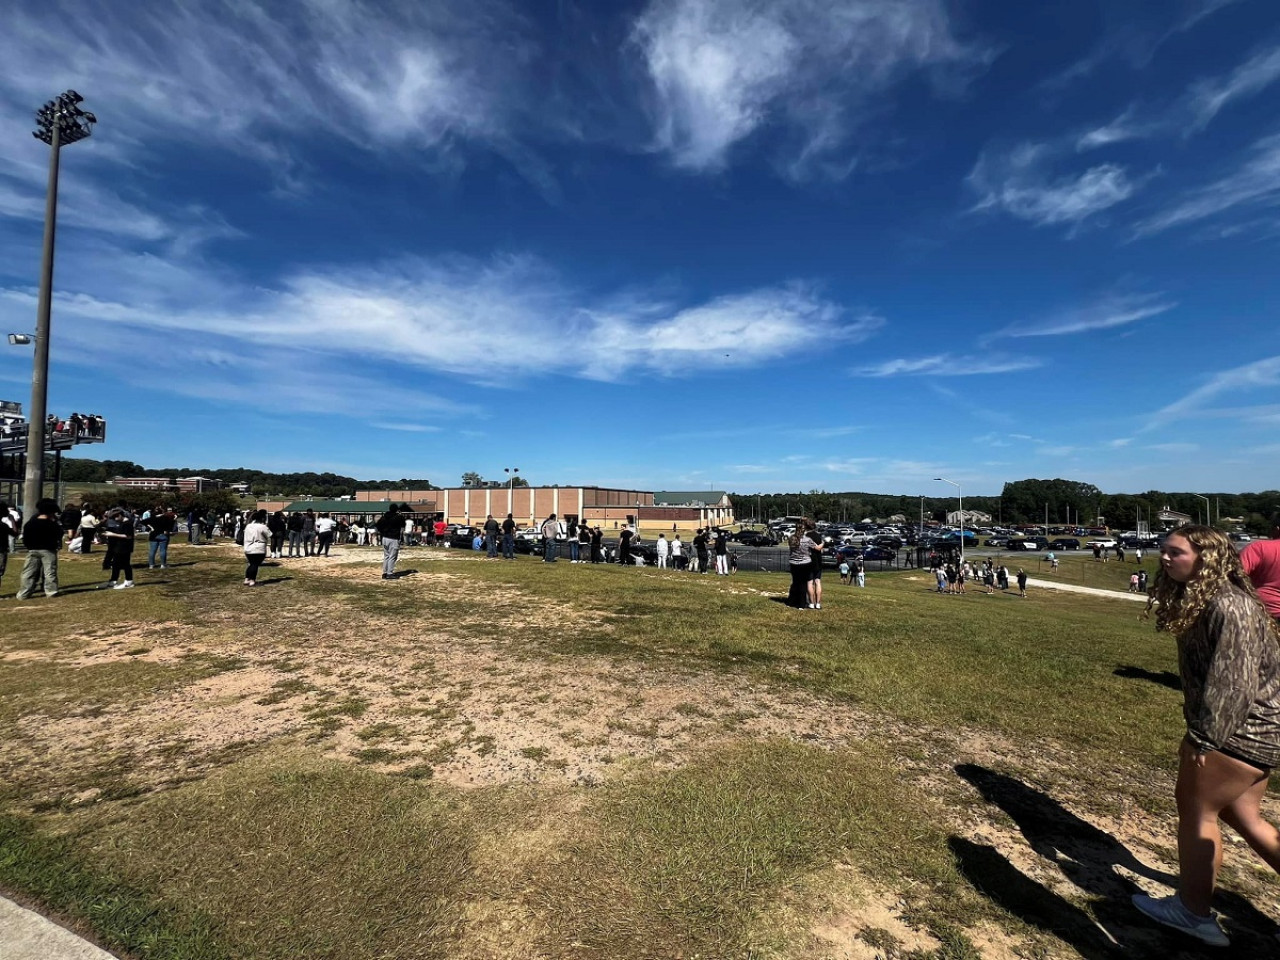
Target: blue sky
point(674, 244)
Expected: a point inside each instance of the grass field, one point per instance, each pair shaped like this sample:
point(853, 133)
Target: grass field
point(490, 760)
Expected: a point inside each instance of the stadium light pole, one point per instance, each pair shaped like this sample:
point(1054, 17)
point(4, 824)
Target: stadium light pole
point(58, 122)
point(512, 473)
point(960, 494)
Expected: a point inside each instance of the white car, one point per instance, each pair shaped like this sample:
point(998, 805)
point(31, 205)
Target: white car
point(1105, 544)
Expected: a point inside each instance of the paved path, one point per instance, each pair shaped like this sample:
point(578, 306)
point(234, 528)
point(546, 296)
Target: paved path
point(25, 935)
point(1095, 591)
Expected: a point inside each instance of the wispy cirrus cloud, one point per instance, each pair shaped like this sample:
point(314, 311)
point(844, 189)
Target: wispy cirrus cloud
point(1206, 98)
point(1259, 376)
point(1256, 183)
point(441, 316)
point(721, 70)
point(946, 365)
point(1114, 310)
point(1022, 183)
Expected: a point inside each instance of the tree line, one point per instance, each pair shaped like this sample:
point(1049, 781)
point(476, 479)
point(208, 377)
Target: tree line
point(261, 482)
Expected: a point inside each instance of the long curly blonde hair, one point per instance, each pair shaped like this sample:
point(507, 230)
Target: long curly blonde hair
point(1179, 605)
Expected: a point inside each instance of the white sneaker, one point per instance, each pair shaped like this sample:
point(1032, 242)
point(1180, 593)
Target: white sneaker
point(124, 586)
point(1171, 912)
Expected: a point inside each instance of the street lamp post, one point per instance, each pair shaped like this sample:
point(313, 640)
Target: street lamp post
point(512, 473)
point(1207, 519)
point(59, 122)
point(960, 494)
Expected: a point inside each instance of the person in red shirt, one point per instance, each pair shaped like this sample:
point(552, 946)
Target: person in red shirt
point(1261, 561)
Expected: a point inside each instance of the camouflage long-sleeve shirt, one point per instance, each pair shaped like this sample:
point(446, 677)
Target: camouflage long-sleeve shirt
point(1230, 665)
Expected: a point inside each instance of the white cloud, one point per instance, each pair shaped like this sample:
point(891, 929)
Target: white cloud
point(1120, 129)
point(1261, 375)
point(1019, 183)
point(1207, 97)
point(442, 316)
point(946, 365)
point(1115, 310)
point(723, 69)
point(1256, 183)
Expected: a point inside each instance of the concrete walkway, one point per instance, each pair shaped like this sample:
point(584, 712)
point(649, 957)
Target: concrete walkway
point(25, 935)
point(1095, 591)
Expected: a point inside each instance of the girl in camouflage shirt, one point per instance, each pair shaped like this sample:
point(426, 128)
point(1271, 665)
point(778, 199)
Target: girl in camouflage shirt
point(1229, 659)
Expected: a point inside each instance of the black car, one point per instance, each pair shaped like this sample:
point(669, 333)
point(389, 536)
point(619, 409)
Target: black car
point(754, 538)
point(893, 543)
point(1064, 543)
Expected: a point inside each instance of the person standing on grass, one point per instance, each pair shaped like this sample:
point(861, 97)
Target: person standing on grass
point(550, 530)
point(1229, 662)
point(42, 536)
point(120, 536)
point(491, 530)
point(278, 527)
point(815, 573)
point(325, 525)
point(162, 524)
point(309, 532)
point(1261, 562)
point(722, 553)
point(88, 529)
point(294, 526)
point(664, 551)
point(390, 530)
point(859, 572)
point(509, 538)
point(1022, 583)
point(677, 551)
point(700, 549)
point(257, 538)
point(799, 559)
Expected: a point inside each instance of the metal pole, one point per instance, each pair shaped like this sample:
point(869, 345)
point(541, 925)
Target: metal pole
point(33, 488)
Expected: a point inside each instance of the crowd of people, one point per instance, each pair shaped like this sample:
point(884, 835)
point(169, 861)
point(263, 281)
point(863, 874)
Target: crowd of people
point(1222, 607)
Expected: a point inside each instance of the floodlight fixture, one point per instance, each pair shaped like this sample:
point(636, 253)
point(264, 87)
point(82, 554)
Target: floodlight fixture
point(20, 339)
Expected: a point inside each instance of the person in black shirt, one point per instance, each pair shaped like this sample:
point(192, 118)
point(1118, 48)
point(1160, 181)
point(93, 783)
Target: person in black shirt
point(42, 536)
point(119, 533)
point(508, 538)
point(624, 546)
point(390, 528)
point(163, 526)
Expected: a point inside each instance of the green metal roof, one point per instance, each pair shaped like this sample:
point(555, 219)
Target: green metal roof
point(688, 498)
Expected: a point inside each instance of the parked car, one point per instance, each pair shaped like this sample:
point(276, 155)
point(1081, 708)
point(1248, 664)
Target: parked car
point(754, 538)
point(1028, 543)
point(1106, 543)
point(996, 542)
point(1064, 543)
point(462, 538)
point(893, 543)
point(879, 553)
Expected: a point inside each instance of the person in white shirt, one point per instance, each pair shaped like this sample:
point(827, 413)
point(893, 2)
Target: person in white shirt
point(325, 526)
point(663, 549)
point(677, 550)
point(88, 530)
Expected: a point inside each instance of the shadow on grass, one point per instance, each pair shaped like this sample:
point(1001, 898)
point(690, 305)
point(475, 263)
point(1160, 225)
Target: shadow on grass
point(1163, 677)
point(1088, 857)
